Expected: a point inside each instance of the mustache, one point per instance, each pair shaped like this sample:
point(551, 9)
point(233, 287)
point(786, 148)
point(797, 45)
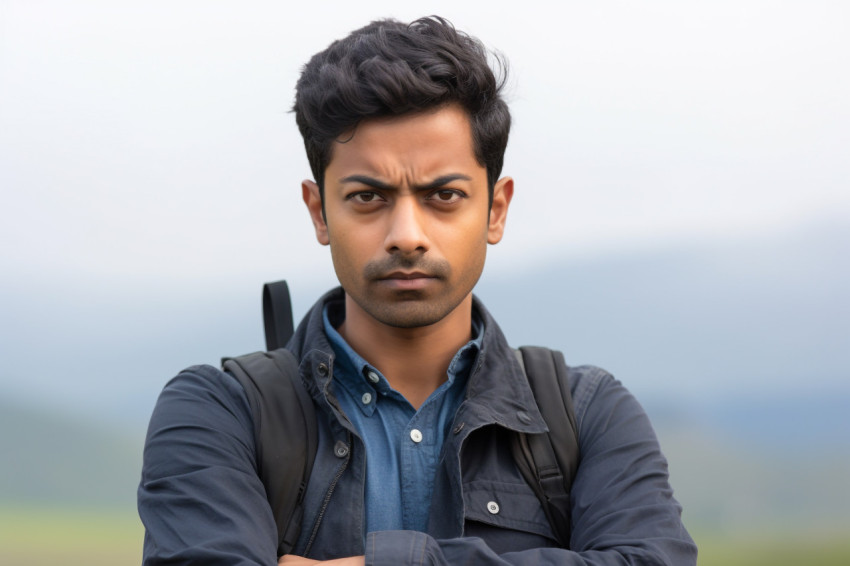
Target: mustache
point(380, 269)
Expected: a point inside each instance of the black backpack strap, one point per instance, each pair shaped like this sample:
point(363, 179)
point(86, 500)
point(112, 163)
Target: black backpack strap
point(285, 433)
point(549, 461)
point(277, 314)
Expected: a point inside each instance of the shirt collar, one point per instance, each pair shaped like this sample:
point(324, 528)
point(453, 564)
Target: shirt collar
point(352, 370)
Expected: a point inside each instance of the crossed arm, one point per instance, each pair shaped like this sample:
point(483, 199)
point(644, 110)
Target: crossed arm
point(292, 560)
point(202, 502)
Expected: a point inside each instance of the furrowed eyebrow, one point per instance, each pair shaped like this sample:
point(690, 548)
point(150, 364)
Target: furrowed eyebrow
point(442, 181)
point(368, 181)
point(376, 184)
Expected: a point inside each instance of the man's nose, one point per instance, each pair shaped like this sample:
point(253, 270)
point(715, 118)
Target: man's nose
point(406, 232)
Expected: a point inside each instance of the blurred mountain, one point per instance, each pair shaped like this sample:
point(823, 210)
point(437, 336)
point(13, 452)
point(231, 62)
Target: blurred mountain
point(60, 459)
point(730, 319)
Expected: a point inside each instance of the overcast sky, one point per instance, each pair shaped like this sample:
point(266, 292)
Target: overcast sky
point(149, 164)
point(153, 139)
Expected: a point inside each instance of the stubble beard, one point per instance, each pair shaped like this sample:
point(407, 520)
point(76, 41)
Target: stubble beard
point(409, 311)
point(411, 308)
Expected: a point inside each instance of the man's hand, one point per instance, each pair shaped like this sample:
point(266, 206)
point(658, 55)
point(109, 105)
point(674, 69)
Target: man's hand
point(292, 560)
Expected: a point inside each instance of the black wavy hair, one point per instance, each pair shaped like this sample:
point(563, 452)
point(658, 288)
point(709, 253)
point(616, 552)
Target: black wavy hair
point(389, 68)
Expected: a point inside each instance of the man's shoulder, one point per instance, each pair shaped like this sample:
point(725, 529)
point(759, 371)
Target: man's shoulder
point(200, 393)
point(600, 401)
point(205, 377)
point(595, 392)
point(585, 382)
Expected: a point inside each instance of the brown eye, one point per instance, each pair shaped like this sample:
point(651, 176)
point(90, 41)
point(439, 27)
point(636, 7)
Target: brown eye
point(446, 196)
point(364, 197)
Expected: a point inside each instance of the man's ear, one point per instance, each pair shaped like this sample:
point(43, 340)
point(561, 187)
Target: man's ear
point(503, 192)
point(313, 199)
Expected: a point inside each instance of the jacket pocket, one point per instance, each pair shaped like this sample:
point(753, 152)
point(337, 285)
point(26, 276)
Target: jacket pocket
point(506, 515)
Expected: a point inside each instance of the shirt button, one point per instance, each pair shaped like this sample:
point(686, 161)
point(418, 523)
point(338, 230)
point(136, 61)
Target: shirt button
point(415, 435)
point(373, 377)
point(493, 508)
point(367, 398)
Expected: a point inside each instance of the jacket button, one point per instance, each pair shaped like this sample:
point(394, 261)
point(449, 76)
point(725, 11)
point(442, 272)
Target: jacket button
point(493, 508)
point(323, 369)
point(341, 449)
point(416, 436)
point(458, 428)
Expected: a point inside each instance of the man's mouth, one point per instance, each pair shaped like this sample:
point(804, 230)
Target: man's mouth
point(407, 275)
point(407, 280)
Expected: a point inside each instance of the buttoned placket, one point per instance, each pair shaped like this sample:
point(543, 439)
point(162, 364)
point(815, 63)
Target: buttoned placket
point(418, 434)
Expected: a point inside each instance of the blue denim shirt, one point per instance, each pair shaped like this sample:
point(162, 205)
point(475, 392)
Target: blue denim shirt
point(403, 444)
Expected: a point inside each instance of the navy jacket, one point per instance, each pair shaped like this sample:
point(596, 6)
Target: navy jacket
point(202, 502)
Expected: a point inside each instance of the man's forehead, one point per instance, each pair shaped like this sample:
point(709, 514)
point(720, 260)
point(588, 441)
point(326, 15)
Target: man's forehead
point(438, 141)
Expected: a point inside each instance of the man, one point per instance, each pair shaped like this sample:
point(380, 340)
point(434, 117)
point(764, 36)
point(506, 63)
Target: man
point(416, 391)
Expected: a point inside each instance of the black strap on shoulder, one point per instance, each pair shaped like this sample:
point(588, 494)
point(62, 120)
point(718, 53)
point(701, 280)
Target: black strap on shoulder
point(549, 461)
point(284, 416)
point(277, 314)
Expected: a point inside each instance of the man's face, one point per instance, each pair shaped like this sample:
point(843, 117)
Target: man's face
point(406, 216)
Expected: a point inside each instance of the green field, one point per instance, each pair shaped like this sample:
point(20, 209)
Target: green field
point(36, 537)
point(774, 549)
point(41, 537)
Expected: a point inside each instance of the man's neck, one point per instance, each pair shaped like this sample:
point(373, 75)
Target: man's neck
point(414, 360)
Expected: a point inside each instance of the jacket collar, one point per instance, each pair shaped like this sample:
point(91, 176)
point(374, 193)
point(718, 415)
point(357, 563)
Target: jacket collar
point(497, 391)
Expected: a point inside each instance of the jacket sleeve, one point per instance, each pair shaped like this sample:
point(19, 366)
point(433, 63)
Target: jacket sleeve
point(200, 498)
point(623, 510)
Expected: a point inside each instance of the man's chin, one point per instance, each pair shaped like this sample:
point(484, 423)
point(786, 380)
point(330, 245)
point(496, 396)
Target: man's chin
point(408, 310)
point(408, 316)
